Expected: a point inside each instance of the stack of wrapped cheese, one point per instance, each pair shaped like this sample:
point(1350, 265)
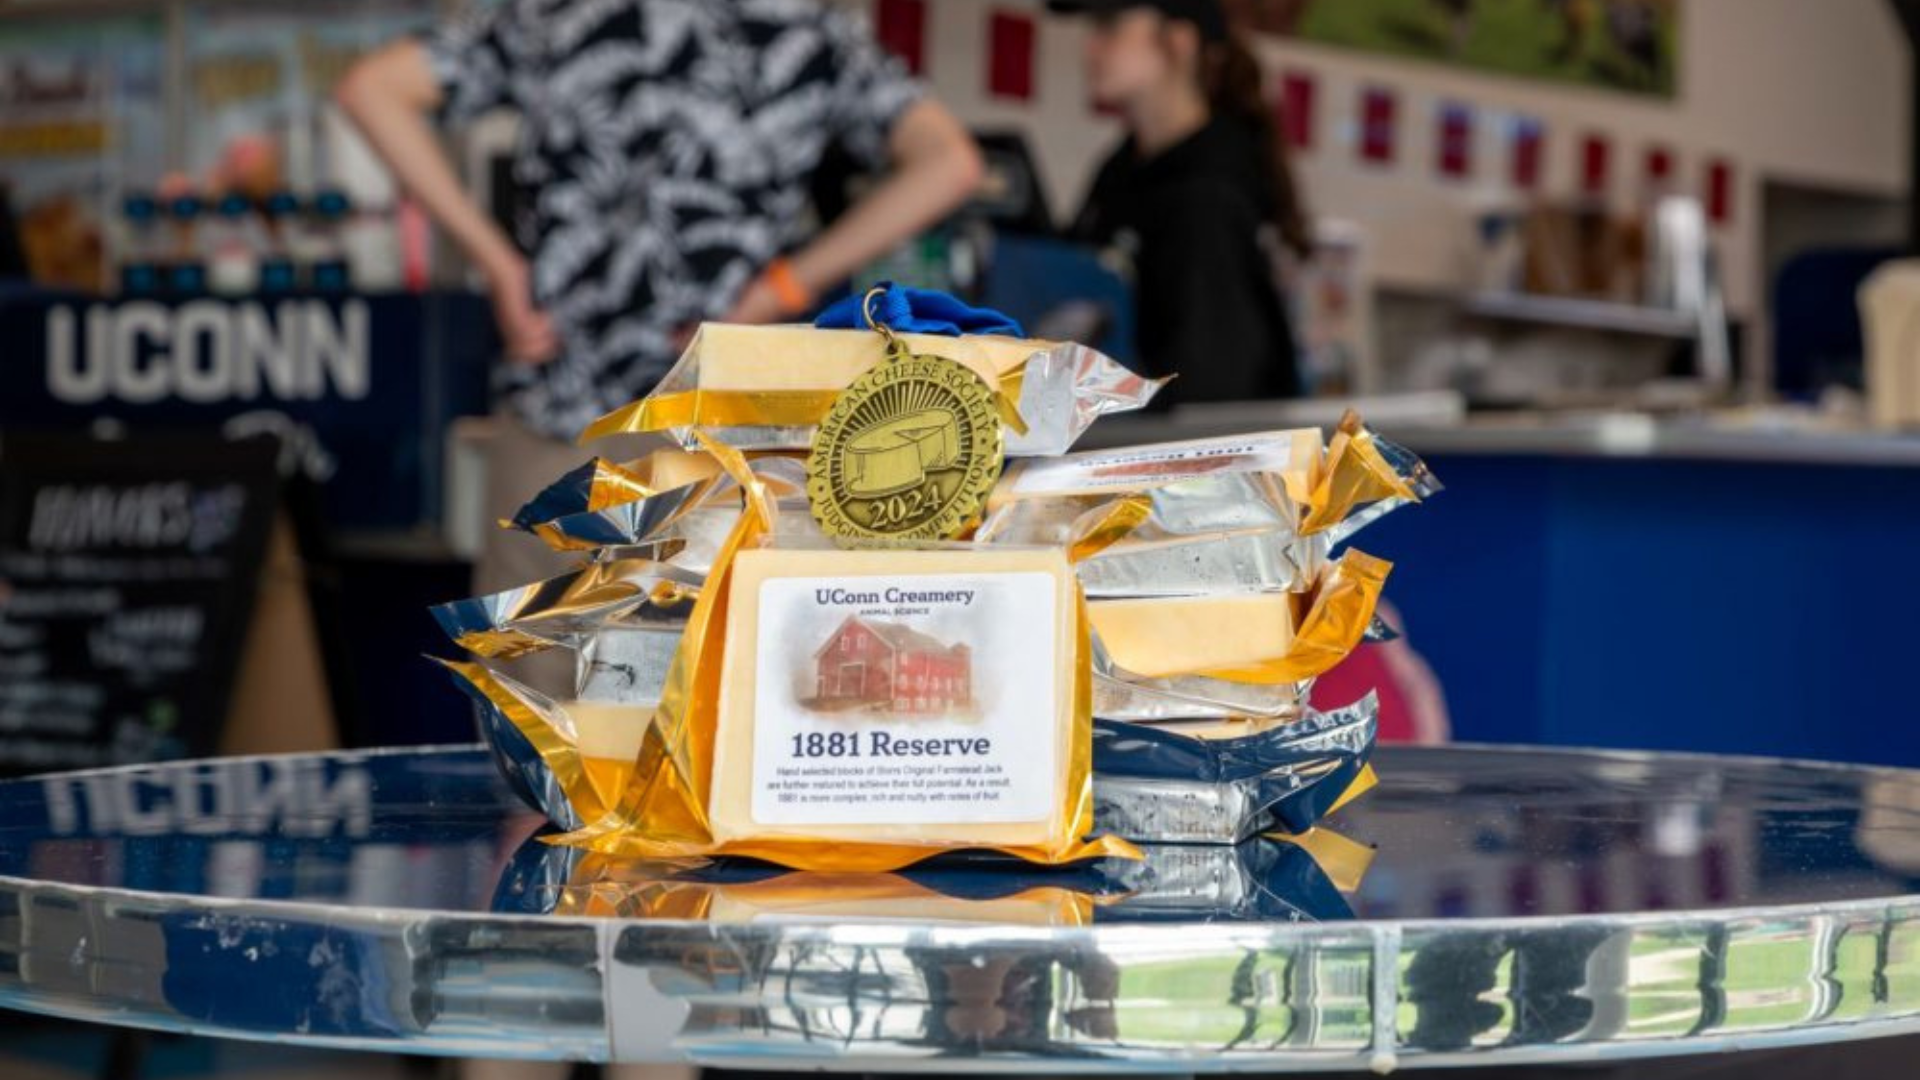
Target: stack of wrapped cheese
point(1119, 650)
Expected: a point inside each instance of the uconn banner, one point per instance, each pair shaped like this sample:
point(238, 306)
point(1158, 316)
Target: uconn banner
point(360, 388)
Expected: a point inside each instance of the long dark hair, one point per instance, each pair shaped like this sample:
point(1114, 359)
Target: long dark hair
point(1235, 85)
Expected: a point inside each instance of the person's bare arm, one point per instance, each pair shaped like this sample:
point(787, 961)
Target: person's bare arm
point(936, 167)
point(391, 95)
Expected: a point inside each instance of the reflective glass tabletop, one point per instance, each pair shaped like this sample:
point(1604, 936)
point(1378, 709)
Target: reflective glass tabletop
point(1480, 906)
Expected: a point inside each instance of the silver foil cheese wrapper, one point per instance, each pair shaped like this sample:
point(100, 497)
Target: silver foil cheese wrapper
point(1064, 388)
point(1255, 881)
point(1119, 694)
point(566, 611)
point(1155, 785)
point(1137, 699)
point(526, 775)
point(1265, 560)
point(624, 523)
point(1151, 786)
point(627, 664)
point(1155, 752)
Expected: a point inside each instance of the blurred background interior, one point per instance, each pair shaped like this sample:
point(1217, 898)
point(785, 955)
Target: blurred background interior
point(1635, 276)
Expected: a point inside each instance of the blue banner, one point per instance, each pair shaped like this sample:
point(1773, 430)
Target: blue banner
point(361, 388)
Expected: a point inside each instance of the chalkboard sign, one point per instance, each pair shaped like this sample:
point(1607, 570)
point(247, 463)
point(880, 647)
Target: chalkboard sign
point(128, 572)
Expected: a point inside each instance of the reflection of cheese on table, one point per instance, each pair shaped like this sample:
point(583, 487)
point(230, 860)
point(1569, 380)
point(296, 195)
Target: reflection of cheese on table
point(884, 898)
point(1184, 635)
point(609, 740)
point(732, 810)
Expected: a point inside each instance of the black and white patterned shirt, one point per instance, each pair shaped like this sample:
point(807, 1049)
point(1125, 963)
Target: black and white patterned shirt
point(668, 146)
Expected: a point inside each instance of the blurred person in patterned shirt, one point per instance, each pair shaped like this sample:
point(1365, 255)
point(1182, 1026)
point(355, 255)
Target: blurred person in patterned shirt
point(667, 147)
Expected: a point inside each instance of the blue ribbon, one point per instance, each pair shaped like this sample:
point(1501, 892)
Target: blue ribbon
point(917, 311)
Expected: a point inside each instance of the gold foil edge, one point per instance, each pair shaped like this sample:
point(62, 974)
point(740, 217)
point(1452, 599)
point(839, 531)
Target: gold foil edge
point(761, 408)
point(1335, 624)
point(561, 755)
point(1354, 475)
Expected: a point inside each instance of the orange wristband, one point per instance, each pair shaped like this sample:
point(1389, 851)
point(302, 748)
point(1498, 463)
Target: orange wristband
point(794, 296)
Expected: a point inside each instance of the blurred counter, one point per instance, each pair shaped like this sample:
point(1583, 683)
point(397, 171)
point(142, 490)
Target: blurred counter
point(1585, 581)
point(1436, 424)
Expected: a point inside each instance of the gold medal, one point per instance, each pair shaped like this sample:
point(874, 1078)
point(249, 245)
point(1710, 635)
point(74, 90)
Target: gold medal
point(910, 451)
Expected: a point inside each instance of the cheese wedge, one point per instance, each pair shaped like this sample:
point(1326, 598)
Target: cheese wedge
point(896, 697)
point(608, 737)
point(1185, 635)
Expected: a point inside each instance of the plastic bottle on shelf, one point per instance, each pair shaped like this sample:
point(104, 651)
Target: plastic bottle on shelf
point(186, 263)
point(233, 247)
point(279, 270)
point(141, 245)
point(327, 218)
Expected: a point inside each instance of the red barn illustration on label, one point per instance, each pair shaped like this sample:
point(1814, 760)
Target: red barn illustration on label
point(871, 662)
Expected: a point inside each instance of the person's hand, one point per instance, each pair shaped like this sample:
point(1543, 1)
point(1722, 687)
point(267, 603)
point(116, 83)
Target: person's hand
point(527, 332)
point(757, 306)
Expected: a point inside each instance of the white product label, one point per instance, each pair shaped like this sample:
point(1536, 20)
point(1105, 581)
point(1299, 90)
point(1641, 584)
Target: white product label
point(1155, 466)
point(913, 700)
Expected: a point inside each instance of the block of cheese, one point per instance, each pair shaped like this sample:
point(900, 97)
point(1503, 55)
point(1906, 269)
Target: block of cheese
point(668, 468)
point(1292, 456)
point(1164, 636)
point(781, 358)
point(608, 737)
point(896, 697)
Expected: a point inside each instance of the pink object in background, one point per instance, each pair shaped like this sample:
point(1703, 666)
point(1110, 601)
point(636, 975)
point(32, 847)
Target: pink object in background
point(1413, 708)
point(1659, 165)
point(901, 28)
point(1454, 146)
point(1010, 45)
point(249, 165)
point(1529, 144)
point(1298, 91)
point(416, 246)
point(1379, 125)
point(1719, 193)
point(1596, 165)
point(175, 185)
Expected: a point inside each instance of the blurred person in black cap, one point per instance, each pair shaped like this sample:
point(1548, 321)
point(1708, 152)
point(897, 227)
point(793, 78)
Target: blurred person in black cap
point(1200, 193)
point(667, 148)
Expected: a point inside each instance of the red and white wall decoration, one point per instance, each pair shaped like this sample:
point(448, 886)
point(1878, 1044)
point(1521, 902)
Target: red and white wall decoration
point(1012, 39)
point(901, 27)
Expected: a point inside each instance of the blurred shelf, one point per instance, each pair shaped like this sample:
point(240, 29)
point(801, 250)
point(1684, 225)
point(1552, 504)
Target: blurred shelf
point(1575, 314)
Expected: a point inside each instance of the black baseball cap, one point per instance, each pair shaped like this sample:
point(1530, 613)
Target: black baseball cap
point(1207, 15)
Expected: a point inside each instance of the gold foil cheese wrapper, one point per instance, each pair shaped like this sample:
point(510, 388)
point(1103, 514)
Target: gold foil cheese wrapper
point(1260, 511)
point(768, 387)
point(1339, 614)
point(565, 611)
point(669, 808)
point(627, 765)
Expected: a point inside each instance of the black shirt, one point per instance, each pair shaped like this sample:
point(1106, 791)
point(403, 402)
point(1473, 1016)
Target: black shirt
point(1210, 309)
